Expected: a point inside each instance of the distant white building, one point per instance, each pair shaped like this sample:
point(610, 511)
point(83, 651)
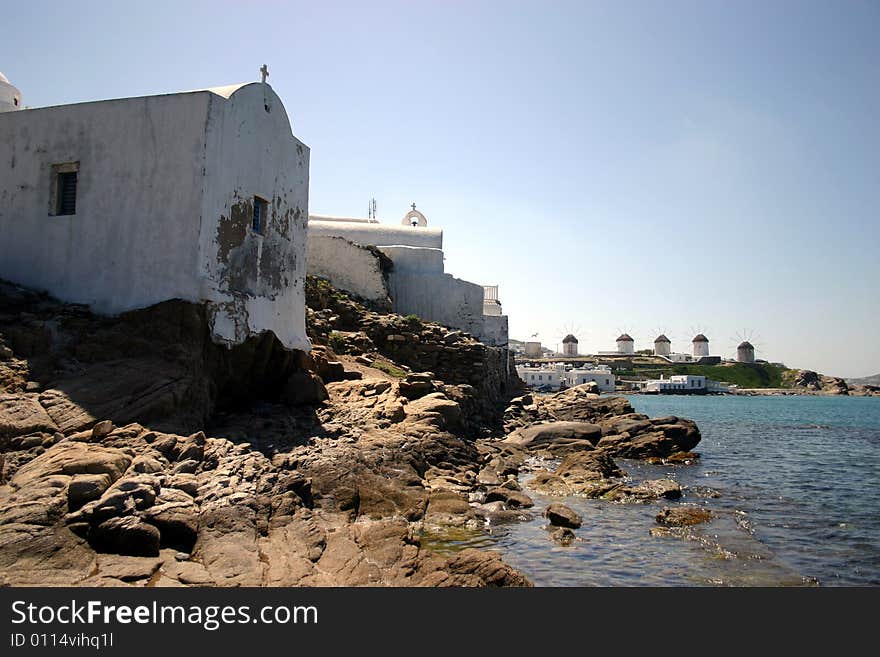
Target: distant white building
point(569, 345)
point(745, 352)
point(546, 375)
point(625, 344)
point(701, 345)
point(662, 346)
point(601, 377)
point(682, 384)
point(342, 249)
point(10, 97)
point(533, 350)
point(556, 375)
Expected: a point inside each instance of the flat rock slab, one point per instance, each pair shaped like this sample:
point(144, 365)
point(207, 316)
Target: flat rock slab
point(73, 458)
point(557, 436)
point(23, 414)
point(683, 516)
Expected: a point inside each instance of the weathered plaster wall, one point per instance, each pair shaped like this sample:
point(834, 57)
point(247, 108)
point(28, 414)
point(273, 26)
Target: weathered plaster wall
point(378, 234)
point(417, 283)
point(254, 281)
point(415, 259)
point(494, 330)
point(134, 238)
point(438, 298)
point(350, 267)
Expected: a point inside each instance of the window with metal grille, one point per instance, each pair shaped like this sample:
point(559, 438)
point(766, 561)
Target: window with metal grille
point(261, 208)
point(64, 186)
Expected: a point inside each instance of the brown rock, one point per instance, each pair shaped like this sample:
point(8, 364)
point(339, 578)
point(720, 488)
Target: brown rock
point(558, 437)
point(128, 535)
point(72, 458)
point(560, 515)
point(22, 414)
point(85, 488)
point(682, 516)
point(511, 498)
point(102, 429)
point(562, 535)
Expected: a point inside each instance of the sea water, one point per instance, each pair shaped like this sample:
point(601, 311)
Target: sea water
point(794, 482)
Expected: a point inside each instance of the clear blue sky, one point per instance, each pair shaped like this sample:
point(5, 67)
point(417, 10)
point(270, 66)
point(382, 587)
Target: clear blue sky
point(611, 165)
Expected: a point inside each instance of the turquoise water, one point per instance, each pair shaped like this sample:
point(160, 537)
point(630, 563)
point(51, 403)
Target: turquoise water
point(794, 481)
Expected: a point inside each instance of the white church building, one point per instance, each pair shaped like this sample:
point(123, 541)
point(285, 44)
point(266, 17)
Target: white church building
point(120, 204)
point(339, 250)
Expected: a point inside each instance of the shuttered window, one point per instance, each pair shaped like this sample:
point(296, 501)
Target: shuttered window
point(261, 207)
point(65, 179)
point(67, 193)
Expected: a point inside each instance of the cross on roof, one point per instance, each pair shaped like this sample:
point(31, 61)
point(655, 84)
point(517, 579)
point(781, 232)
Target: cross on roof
point(413, 207)
point(264, 71)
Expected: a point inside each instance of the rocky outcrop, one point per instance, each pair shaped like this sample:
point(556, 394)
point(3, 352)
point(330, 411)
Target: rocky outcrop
point(136, 453)
point(810, 381)
point(65, 368)
point(409, 345)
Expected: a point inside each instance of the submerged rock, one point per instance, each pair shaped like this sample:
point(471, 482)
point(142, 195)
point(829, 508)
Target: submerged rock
point(562, 535)
point(683, 516)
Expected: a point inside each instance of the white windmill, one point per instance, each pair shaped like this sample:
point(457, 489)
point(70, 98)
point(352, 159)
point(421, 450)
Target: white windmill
point(567, 337)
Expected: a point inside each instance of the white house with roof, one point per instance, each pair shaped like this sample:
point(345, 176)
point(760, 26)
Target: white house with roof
point(558, 375)
point(120, 204)
point(601, 376)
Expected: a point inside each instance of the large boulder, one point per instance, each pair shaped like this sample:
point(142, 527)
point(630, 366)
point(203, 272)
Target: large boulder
point(435, 408)
point(557, 437)
point(128, 535)
point(73, 458)
point(560, 515)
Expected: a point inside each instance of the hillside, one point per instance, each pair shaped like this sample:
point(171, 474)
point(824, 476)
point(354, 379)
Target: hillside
point(758, 375)
point(866, 380)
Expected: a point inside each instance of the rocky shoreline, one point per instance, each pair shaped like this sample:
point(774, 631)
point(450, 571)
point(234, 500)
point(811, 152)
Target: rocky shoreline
point(131, 455)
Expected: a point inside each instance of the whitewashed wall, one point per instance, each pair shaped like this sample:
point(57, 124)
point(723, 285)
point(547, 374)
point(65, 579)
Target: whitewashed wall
point(134, 238)
point(415, 259)
point(439, 298)
point(255, 281)
point(347, 266)
point(379, 234)
point(163, 207)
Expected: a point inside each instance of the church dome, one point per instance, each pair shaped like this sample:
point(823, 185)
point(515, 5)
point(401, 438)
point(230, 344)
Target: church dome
point(568, 339)
point(10, 97)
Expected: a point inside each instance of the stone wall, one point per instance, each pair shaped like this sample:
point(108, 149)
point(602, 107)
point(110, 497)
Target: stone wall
point(454, 357)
